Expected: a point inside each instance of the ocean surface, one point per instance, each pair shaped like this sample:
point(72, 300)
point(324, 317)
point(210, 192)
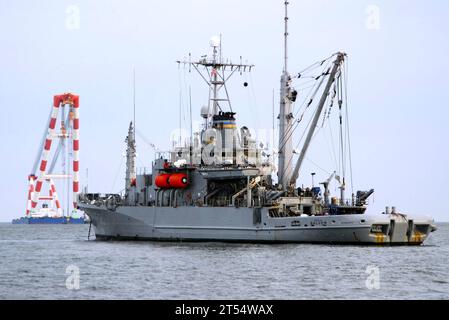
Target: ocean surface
point(58, 262)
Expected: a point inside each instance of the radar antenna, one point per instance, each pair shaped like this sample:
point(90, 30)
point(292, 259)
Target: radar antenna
point(215, 75)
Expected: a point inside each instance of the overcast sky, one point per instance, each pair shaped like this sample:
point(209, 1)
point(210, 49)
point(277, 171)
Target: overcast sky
point(398, 88)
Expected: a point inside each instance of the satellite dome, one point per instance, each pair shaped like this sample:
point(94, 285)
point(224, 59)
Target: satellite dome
point(215, 41)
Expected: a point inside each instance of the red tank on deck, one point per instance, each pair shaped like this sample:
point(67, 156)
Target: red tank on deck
point(172, 181)
point(162, 181)
point(178, 181)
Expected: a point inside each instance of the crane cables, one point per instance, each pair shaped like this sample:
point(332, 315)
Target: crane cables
point(336, 92)
point(347, 121)
point(314, 66)
point(300, 140)
point(339, 93)
point(309, 98)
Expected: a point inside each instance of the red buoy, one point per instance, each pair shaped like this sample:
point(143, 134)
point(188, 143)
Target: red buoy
point(178, 181)
point(162, 181)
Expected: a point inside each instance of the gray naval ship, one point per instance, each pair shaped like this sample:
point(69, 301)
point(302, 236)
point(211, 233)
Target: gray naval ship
point(219, 186)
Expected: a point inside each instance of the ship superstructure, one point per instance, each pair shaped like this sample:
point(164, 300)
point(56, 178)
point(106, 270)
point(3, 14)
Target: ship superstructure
point(220, 187)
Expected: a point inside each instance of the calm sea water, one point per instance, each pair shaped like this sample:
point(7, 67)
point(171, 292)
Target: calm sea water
point(34, 261)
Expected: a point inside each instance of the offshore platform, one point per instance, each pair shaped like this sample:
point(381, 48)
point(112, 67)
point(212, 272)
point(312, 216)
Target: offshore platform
point(43, 203)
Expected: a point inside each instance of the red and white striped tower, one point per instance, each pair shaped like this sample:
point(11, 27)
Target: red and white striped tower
point(31, 179)
point(68, 131)
point(76, 148)
point(45, 154)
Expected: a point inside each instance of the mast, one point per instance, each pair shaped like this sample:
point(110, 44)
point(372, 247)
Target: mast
point(134, 101)
point(214, 75)
point(130, 157)
point(336, 67)
point(286, 36)
point(285, 117)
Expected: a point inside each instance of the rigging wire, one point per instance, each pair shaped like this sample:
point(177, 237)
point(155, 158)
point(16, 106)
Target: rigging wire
point(180, 99)
point(184, 104)
point(333, 146)
point(294, 126)
point(300, 140)
point(342, 128)
point(315, 65)
point(254, 96)
point(313, 138)
point(251, 98)
point(310, 100)
point(341, 150)
point(318, 166)
point(141, 162)
point(117, 173)
point(347, 121)
point(320, 129)
point(316, 78)
point(187, 103)
point(327, 113)
point(339, 90)
point(306, 88)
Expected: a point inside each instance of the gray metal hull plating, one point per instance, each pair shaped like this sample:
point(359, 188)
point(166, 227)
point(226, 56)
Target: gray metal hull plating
point(248, 225)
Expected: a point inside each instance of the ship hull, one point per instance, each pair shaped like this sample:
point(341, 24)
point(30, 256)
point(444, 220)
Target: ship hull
point(230, 224)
